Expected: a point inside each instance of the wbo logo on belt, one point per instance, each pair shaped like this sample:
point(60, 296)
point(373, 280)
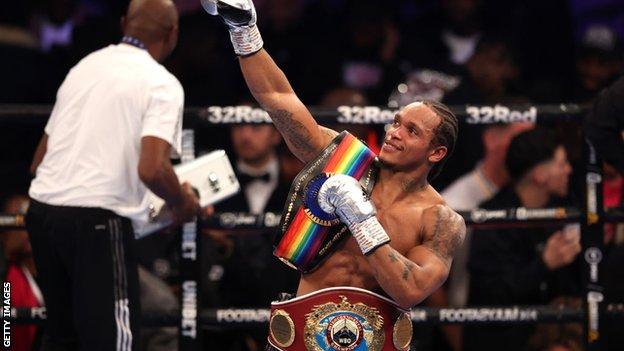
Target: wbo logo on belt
point(344, 327)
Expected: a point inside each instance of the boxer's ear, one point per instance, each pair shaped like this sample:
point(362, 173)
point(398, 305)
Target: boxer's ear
point(437, 153)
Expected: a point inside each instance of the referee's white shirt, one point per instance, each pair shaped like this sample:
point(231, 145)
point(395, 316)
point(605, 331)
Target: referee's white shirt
point(107, 103)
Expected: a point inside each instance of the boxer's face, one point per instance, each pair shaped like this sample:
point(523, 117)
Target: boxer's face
point(254, 144)
point(407, 144)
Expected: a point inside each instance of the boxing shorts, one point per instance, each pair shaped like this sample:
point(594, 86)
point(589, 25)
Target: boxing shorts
point(339, 319)
point(308, 234)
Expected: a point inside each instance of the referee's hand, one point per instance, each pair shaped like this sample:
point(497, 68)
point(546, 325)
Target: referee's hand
point(189, 208)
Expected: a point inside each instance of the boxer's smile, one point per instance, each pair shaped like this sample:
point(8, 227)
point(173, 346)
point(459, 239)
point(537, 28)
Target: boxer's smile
point(391, 146)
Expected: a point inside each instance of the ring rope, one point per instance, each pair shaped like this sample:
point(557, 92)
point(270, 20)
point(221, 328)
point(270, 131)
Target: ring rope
point(240, 318)
point(362, 115)
point(490, 218)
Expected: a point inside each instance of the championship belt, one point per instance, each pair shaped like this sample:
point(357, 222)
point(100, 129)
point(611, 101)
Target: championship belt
point(307, 233)
point(340, 319)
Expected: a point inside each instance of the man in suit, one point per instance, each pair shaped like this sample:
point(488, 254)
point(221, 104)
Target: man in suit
point(258, 170)
point(241, 262)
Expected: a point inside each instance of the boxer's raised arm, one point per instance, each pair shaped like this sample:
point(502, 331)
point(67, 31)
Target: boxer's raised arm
point(267, 82)
point(269, 86)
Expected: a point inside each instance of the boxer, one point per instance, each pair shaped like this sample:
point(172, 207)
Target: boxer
point(403, 234)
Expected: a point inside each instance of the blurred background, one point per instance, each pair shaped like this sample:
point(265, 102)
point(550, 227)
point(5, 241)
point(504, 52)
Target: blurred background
point(337, 52)
point(334, 52)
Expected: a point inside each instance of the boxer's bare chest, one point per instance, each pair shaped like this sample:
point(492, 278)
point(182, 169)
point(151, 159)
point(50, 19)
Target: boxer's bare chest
point(348, 267)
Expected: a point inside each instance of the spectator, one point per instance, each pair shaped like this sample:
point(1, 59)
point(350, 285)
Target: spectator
point(487, 76)
point(20, 60)
point(369, 50)
point(490, 174)
point(559, 337)
point(465, 194)
point(612, 277)
point(605, 122)
point(245, 262)
point(446, 36)
point(56, 26)
point(516, 266)
point(21, 273)
point(286, 38)
point(55, 29)
point(203, 64)
point(540, 33)
point(603, 126)
point(600, 60)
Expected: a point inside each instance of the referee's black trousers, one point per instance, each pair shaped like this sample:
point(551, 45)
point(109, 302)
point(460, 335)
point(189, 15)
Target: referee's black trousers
point(87, 269)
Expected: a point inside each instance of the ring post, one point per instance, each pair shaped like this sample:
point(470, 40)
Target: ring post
point(190, 283)
point(592, 235)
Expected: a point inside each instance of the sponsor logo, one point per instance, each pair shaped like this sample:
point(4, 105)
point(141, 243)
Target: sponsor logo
point(499, 114)
point(592, 198)
point(234, 219)
point(523, 213)
point(480, 215)
point(593, 299)
point(365, 115)
point(38, 313)
point(271, 219)
point(243, 315)
point(488, 314)
point(11, 220)
point(235, 114)
point(418, 315)
point(189, 309)
point(189, 244)
point(593, 256)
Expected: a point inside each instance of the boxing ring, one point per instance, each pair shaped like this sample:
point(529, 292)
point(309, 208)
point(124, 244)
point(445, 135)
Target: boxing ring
point(192, 317)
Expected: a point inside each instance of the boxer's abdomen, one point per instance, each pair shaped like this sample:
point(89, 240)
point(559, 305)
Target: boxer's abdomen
point(345, 267)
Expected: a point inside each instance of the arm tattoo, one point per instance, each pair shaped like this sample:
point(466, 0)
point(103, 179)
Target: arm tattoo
point(447, 235)
point(408, 265)
point(330, 133)
point(293, 130)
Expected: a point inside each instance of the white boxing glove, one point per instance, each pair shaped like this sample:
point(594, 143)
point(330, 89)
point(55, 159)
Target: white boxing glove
point(240, 17)
point(343, 195)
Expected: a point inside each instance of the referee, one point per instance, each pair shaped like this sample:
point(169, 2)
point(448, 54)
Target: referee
point(116, 121)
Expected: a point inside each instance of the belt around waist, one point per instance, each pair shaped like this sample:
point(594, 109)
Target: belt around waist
point(339, 319)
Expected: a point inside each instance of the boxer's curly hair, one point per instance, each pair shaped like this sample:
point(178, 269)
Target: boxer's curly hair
point(445, 134)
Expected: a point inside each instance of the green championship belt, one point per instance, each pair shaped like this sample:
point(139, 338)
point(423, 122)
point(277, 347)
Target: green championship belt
point(307, 233)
